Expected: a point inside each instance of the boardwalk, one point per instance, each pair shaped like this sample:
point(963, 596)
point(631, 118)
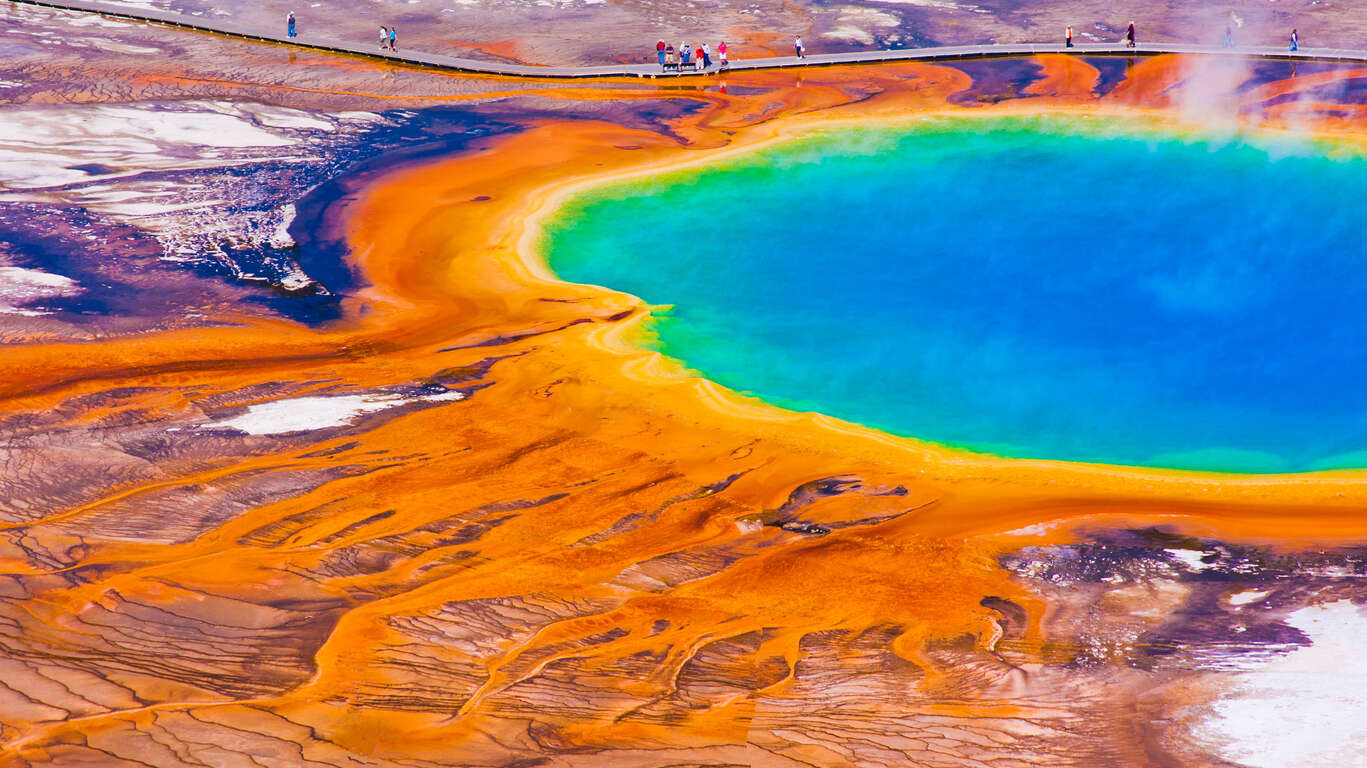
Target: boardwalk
point(651, 70)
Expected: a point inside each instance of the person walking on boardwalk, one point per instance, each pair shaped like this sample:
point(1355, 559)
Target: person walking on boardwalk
point(722, 63)
point(697, 58)
point(1229, 38)
point(684, 54)
point(1068, 37)
point(289, 25)
point(671, 61)
point(393, 38)
point(1129, 36)
point(384, 38)
point(660, 53)
point(798, 49)
point(1295, 41)
point(706, 57)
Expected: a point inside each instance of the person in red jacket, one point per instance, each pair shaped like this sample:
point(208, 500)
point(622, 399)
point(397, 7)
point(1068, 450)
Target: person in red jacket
point(660, 53)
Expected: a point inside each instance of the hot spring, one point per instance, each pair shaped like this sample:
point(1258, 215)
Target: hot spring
point(1057, 287)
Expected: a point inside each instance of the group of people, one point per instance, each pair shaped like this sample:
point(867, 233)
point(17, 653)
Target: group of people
point(389, 38)
point(1229, 39)
point(699, 58)
point(1129, 38)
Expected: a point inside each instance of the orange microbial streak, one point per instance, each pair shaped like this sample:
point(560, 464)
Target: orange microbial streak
point(592, 558)
point(1065, 77)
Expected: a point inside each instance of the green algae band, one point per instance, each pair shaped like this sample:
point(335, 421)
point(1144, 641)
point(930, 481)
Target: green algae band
point(1053, 287)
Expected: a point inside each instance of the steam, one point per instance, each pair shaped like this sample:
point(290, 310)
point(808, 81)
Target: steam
point(1221, 94)
point(1223, 97)
point(1208, 94)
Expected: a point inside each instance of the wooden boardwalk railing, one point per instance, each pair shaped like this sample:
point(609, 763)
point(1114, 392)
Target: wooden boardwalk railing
point(457, 64)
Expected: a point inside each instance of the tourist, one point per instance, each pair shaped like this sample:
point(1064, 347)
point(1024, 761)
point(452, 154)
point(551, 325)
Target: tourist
point(797, 48)
point(1295, 41)
point(684, 53)
point(1129, 36)
point(671, 59)
point(660, 53)
point(1068, 37)
point(393, 38)
point(289, 25)
point(1229, 37)
point(721, 56)
point(706, 57)
point(384, 38)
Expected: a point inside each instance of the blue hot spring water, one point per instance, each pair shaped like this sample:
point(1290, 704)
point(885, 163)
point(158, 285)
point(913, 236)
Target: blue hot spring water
point(1050, 287)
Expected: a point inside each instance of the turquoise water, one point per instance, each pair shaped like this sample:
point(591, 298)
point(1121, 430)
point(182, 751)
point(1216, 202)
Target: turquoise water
point(1032, 287)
